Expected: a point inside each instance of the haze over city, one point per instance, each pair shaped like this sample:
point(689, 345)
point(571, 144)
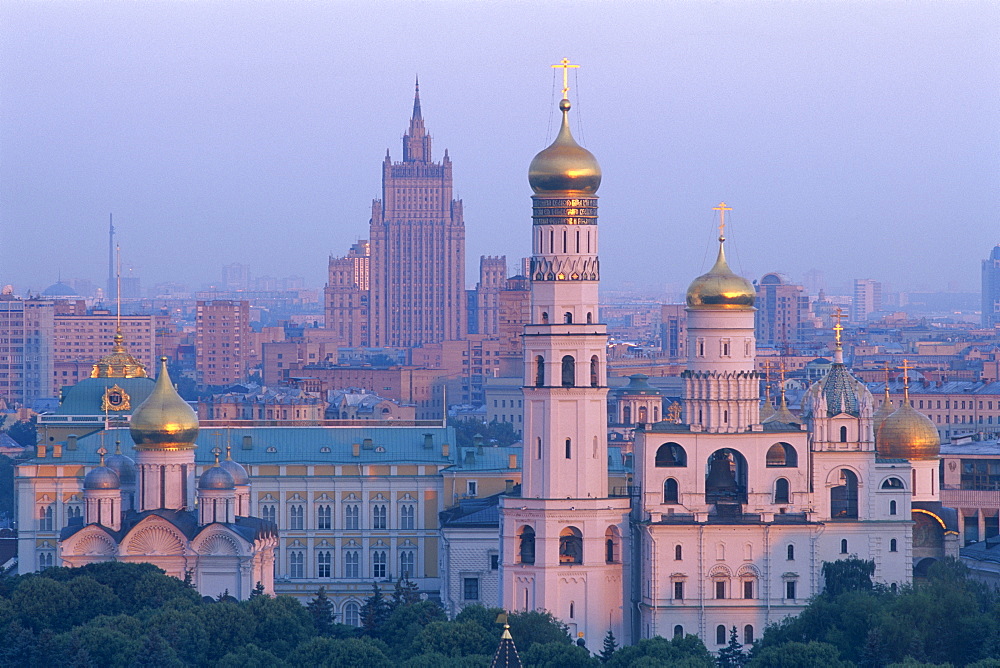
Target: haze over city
point(859, 139)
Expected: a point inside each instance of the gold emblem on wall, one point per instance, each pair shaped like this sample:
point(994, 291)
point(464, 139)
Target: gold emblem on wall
point(116, 399)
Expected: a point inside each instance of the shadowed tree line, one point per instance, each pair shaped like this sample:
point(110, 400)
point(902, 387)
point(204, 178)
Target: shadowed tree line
point(125, 615)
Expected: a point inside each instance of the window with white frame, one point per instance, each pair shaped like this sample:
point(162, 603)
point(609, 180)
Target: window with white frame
point(352, 515)
point(407, 515)
point(352, 614)
point(407, 560)
point(324, 564)
point(296, 517)
point(296, 564)
point(378, 564)
point(324, 517)
point(352, 564)
point(379, 514)
point(45, 517)
point(268, 513)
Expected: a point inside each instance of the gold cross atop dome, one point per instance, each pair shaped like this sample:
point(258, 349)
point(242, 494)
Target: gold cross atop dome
point(565, 65)
point(722, 208)
point(838, 328)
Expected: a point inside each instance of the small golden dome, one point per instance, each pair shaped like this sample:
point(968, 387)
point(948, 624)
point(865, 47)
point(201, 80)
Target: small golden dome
point(164, 420)
point(119, 364)
point(884, 411)
point(721, 288)
point(907, 434)
point(564, 166)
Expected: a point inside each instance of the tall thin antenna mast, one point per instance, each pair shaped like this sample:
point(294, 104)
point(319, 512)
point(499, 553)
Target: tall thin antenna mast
point(118, 291)
point(111, 254)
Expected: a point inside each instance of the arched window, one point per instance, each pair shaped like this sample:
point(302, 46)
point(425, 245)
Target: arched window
point(670, 455)
point(539, 455)
point(720, 634)
point(612, 545)
point(781, 490)
point(627, 414)
point(572, 609)
point(844, 497)
point(590, 318)
point(570, 546)
point(843, 546)
point(782, 454)
point(748, 635)
point(670, 491)
point(539, 371)
point(843, 434)
point(678, 631)
point(892, 483)
point(407, 558)
point(595, 379)
point(545, 317)
point(526, 548)
point(643, 417)
point(569, 448)
point(352, 614)
point(892, 507)
point(791, 553)
point(568, 371)
point(568, 318)
point(678, 552)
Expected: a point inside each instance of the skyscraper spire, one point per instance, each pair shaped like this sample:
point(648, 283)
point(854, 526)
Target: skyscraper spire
point(416, 100)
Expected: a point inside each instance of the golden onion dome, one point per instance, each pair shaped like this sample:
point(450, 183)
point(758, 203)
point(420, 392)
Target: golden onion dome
point(164, 420)
point(907, 434)
point(564, 166)
point(720, 287)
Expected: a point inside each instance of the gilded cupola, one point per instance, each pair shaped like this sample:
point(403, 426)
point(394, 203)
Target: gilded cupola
point(565, 166)
point(907, 433)
point(164, 421)
point(119, 363)
point(720, 287)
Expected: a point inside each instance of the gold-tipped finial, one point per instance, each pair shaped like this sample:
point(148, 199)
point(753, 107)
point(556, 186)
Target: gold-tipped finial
point(229, 452)
point(102, 451)
point(906, 380)
point(722, 208)
point(216, 451)
point(565, 65)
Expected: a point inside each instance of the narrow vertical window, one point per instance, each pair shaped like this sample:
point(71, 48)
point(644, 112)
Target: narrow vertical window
point(539, 371)
point(569, 448)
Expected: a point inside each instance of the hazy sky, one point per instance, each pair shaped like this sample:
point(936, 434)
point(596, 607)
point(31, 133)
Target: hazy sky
point(858, 138)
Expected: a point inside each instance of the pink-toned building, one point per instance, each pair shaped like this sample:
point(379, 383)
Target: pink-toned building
point(346, 296)
point(222, 339)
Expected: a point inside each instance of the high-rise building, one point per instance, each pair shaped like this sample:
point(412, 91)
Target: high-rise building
point(867, 299)
point(565, 520)
point(492, 278)
point(417, 248)
point(346, 296)
point(26, 360)
point(782, 312)
point(222, 339)
point(991, 288)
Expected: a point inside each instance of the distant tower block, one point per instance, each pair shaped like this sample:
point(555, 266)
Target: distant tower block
point(991, 288)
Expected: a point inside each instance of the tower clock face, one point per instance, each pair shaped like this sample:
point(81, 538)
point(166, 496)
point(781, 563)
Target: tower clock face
point(116, 399)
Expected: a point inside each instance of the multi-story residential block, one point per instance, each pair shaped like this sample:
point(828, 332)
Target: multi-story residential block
point(347, 294)
point(782, 316)
point(991, 288)
point(867, 299)
point(222, 339)
point(26, 349)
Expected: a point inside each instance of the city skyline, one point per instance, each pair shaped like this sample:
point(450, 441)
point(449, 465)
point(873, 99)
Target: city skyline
point(254, 129)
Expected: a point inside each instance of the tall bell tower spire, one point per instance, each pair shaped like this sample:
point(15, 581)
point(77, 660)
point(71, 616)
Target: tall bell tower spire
point(416, 142)
point(563, 538)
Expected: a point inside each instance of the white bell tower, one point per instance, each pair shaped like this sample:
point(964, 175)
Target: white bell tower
point(563, 539)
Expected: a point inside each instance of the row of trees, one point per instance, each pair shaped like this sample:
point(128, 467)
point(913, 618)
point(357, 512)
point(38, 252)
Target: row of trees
point(115, 614)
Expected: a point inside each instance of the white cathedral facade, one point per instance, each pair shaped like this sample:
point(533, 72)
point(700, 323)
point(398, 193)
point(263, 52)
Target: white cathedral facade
point(729, 516)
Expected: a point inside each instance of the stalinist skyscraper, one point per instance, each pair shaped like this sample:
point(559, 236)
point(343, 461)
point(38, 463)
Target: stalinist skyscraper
point(417, 275)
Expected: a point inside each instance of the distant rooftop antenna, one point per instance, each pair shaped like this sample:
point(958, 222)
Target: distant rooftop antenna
point(118, 291)
point(111, 253)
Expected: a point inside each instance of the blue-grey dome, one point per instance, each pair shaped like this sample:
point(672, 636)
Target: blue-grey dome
point(101, 477)
point(216, 478)
point(122, 465)
point(235, 469)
